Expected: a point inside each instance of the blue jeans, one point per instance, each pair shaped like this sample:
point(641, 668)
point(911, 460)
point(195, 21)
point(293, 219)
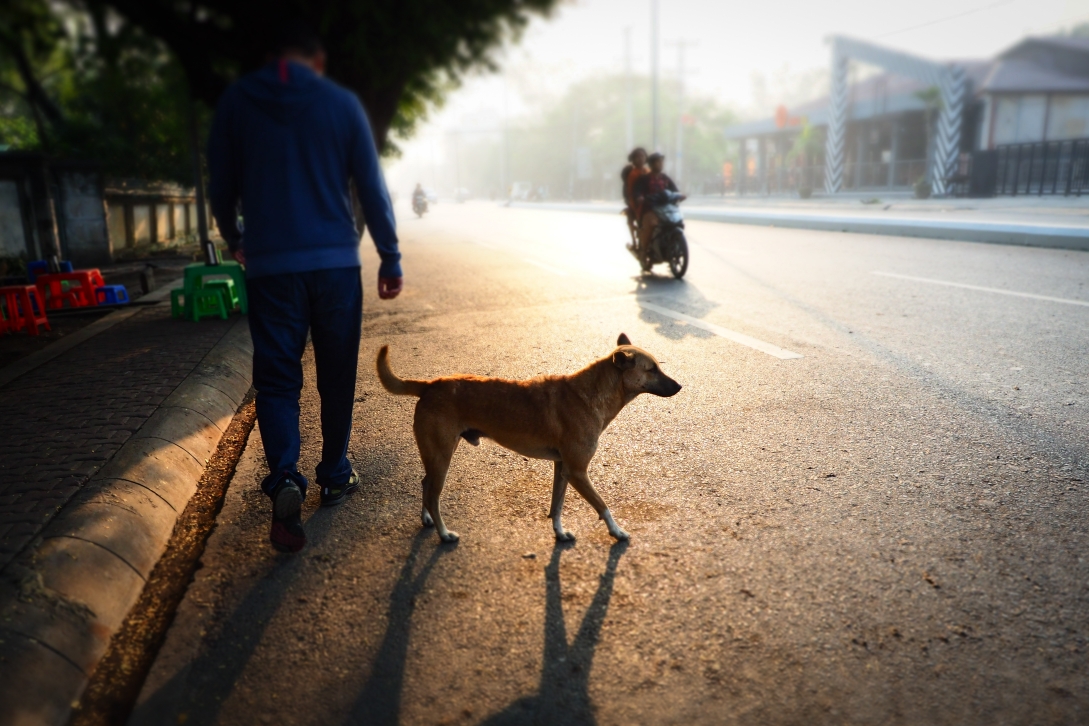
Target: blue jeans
point(328, 304)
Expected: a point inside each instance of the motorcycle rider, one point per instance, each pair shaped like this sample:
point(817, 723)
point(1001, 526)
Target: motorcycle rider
point(643, 192)
point(629, 175)
point(419, 199)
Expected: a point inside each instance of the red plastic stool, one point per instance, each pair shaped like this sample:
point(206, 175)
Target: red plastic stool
point(24, 308)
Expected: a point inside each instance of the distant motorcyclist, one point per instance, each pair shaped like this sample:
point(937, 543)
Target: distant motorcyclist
point(629, 175)
point(643, 193)
point(419, 200)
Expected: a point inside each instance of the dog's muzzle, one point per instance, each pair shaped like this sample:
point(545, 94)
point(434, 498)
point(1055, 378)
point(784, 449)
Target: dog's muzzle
point(664, 387)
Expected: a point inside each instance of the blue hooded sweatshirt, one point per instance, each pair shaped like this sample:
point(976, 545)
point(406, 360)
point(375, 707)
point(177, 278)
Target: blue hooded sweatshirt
point(284, 143)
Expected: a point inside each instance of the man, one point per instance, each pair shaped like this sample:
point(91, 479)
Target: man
point(283, 145)
point(629, 175)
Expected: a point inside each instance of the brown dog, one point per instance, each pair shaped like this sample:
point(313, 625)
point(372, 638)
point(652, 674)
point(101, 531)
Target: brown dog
point(558, 418)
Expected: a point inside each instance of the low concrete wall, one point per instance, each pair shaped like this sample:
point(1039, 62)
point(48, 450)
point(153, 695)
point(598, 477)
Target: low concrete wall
point(1035, 234)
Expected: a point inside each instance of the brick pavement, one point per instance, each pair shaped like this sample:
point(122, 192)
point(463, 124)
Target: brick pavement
point(60, 423)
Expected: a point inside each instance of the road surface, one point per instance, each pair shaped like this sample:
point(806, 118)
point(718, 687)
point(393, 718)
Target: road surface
point(871, 509)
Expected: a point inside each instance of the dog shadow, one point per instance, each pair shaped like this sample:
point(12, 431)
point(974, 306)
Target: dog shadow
point(678, 295)
point(379, 700)
point(563, 696)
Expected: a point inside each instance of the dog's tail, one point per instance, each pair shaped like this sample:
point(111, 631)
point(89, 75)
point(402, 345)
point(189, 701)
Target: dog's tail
point(393, 384)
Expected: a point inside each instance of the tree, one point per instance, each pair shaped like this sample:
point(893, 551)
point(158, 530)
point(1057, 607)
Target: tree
point(91, 85)
point(587, 120)
point(399, 56)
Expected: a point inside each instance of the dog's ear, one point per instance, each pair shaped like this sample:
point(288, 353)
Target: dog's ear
point(623, 340)
point(623, 360)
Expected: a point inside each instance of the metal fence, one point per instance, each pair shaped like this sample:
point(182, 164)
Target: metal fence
point(1050, 167)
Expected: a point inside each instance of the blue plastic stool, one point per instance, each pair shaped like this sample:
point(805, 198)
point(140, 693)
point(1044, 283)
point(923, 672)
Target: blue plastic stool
point(112, 295)
point(41, 267)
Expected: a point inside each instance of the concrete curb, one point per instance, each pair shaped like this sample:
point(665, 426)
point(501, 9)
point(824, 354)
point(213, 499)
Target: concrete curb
point(1036, 234)
point(78, 581)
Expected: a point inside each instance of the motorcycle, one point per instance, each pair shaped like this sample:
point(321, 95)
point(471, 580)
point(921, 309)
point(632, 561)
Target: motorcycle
point(419, 205)
point(667, 242)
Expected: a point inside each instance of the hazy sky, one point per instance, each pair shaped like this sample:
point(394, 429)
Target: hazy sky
point(734, 40)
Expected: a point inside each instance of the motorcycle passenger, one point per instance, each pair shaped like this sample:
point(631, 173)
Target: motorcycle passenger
point(629, 175)
point(643, 192)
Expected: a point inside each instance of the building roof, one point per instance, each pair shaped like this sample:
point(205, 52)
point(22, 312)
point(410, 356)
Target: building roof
point(1013, 75)
point(1054, 63)
point(883, 94)
point(1050, 64)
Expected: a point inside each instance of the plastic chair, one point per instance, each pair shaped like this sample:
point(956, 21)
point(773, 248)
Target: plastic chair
point(227, 287)
point(112, 295)
point(207, 302)
point(24, 308)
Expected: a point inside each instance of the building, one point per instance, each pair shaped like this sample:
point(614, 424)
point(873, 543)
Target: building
point(50, 206)
point(1016, 124)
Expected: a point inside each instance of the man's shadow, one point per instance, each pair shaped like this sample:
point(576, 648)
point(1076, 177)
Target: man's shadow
point(563, 696)
point(379, 701)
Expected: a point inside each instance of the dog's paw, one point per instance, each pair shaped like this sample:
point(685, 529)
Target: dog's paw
point(565, 536)
point(620, 535)
point(449, 537)
point(425, 518)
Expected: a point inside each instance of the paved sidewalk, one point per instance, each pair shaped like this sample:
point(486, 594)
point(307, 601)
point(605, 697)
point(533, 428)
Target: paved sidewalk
point(61, 422)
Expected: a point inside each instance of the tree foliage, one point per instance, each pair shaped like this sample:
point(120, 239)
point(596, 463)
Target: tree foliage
point(94, 86)
point(399, 56)
point(113, 81)
point(591, 116)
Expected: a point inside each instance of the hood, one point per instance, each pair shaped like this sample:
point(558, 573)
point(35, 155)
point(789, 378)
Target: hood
point(281, 89)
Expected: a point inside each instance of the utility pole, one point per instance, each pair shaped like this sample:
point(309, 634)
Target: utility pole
point(630, 138)
point(654, 75)
point(503, 150)
point(678, 164)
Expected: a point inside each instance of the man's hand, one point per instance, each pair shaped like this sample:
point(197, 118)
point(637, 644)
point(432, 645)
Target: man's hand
point(390, 287)
point(239, 256)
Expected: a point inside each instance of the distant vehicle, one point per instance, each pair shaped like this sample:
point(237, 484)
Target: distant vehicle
point(431, 195)
point(461, 194)
point(521, 191)
point(419, 202)
point(667, 243)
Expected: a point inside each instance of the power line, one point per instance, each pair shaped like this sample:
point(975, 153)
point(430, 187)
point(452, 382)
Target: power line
point(1000, 3)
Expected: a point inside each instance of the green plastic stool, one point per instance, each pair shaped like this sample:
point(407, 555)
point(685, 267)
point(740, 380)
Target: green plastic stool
point(207, 303)
point(195, 274)
point(177, 307)
point(227, 287)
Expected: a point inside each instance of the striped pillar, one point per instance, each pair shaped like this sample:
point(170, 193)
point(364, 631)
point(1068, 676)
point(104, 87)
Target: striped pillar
point(947, 140)
point(834, 143)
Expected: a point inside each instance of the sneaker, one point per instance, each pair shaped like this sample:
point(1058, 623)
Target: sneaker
point(333, 494)
point(287, 534)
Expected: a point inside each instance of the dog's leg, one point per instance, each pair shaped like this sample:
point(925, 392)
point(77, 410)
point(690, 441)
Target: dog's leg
point(581, 482)
point(436, 466)
point(436, 442)
point(425, 518)
point(559, 490)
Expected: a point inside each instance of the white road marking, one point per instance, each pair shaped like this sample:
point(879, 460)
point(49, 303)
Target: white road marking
point(543, 266)
point(1048, 298)
point(747, 340)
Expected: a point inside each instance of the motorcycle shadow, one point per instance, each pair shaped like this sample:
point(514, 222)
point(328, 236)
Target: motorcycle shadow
point(677, 295)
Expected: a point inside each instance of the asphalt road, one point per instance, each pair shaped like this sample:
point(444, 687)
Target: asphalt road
point(890, 528)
